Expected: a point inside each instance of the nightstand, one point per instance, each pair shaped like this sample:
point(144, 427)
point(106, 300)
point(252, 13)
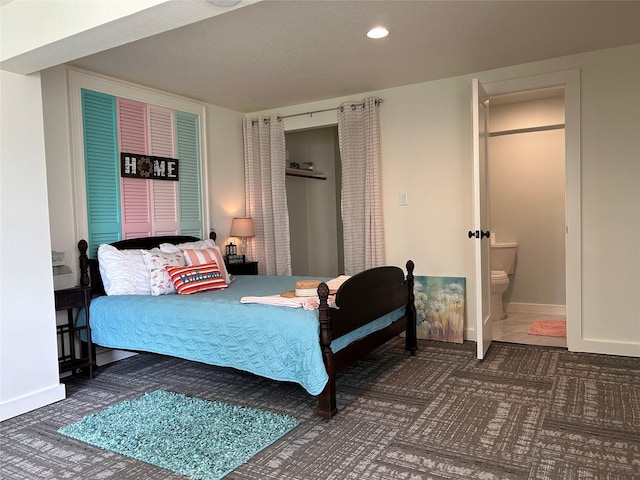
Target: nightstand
point(247, 268)
point(70, 359)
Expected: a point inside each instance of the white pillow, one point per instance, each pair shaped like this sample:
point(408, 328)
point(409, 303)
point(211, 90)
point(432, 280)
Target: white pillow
point(123, 271)
point(122, 279)
point(159, 279)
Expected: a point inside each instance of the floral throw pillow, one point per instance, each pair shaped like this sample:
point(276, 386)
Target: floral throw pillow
point(159, 279)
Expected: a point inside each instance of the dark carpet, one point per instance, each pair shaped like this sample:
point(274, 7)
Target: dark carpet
point(525, 412)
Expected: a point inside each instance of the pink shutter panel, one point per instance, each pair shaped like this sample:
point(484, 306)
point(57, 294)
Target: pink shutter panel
point(164, 193)
point(136, 192)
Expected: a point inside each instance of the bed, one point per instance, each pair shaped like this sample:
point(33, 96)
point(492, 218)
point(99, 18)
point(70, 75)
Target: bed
point(307, 346)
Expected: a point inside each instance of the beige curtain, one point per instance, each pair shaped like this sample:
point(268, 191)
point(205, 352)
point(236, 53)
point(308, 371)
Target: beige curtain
point(266, 196)
point(361, 204)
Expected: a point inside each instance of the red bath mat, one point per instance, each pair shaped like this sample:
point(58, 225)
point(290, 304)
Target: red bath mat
point(548, 328)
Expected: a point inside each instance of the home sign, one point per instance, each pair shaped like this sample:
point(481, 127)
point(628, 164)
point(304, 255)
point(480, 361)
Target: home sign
point(148, 166)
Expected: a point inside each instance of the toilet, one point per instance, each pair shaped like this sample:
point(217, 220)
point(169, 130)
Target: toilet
point(503, 259)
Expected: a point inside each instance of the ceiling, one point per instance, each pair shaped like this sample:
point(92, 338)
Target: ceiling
point(277, 53)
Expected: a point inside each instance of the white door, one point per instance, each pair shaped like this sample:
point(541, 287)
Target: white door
point(480, 237)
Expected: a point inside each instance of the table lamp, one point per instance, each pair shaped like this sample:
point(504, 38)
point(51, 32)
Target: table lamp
point(242, 227)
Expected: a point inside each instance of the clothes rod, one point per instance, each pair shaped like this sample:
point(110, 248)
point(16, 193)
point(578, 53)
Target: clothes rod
point(378, 102)
point(527, 130)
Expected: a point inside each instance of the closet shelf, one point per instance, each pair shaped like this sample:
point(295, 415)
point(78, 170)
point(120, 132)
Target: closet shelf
point(296, 172)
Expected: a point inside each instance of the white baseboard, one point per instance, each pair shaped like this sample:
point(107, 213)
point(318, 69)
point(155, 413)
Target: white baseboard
point(105, 356)
point(470, 334)
point(607, 347)
point(32, 401)
point(537, 308)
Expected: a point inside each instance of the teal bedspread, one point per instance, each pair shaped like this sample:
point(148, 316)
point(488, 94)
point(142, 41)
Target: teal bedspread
point(280, 343)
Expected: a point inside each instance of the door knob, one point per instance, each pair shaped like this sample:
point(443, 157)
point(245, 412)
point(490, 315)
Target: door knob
point(479, 234)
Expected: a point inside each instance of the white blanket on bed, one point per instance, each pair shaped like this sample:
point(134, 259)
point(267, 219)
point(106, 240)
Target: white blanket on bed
point(308, 303)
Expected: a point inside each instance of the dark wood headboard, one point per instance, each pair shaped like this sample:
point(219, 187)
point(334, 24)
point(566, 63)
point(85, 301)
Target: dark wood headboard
point(89, 268)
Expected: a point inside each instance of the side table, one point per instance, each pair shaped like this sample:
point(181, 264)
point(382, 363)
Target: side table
point(247, 268)
point(70, 359)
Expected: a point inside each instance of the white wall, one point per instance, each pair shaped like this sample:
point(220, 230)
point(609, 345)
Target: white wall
point(611, 200)
point(225, 166)
point(28, 357)
point(426, 152)
point(298, 225)
point(60, 189)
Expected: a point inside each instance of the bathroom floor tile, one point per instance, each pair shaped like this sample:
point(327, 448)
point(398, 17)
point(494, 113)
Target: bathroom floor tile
point(514, 328)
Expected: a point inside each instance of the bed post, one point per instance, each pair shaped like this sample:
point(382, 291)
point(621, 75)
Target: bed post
point(412, 335)
point(84, 263)
point(327, 400)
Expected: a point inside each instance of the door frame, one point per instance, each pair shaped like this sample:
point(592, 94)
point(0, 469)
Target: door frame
point(570, 80)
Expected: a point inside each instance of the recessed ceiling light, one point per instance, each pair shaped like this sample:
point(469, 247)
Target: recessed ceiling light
point(377, 32)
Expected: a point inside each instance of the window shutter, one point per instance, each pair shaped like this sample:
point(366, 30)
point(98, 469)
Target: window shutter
point(188, 148)
point(164, 193)
point(136, 192)
point(101, 169)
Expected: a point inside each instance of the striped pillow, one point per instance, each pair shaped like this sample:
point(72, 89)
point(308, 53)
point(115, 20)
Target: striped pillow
point(204, 256)
point(200, 278)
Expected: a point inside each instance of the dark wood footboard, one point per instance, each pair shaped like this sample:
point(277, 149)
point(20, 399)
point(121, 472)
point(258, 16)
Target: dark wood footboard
point(362, 299)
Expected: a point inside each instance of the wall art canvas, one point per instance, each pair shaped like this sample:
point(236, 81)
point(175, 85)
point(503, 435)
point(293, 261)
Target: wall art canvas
point(440, 308)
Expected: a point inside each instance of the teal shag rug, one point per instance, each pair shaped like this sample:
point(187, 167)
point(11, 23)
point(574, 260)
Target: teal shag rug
point(200, 439)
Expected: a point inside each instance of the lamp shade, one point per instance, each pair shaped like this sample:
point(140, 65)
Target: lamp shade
point(242, 227)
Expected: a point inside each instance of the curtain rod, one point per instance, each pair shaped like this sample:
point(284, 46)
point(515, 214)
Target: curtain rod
point(378, 102)
point(527, 130)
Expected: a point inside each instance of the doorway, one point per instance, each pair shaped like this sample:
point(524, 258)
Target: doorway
point(570, 80)
point(526, 167)
point(313, 201)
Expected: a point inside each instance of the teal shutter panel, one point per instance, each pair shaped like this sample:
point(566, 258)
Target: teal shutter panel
point(101, 168)
point(188, 153)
